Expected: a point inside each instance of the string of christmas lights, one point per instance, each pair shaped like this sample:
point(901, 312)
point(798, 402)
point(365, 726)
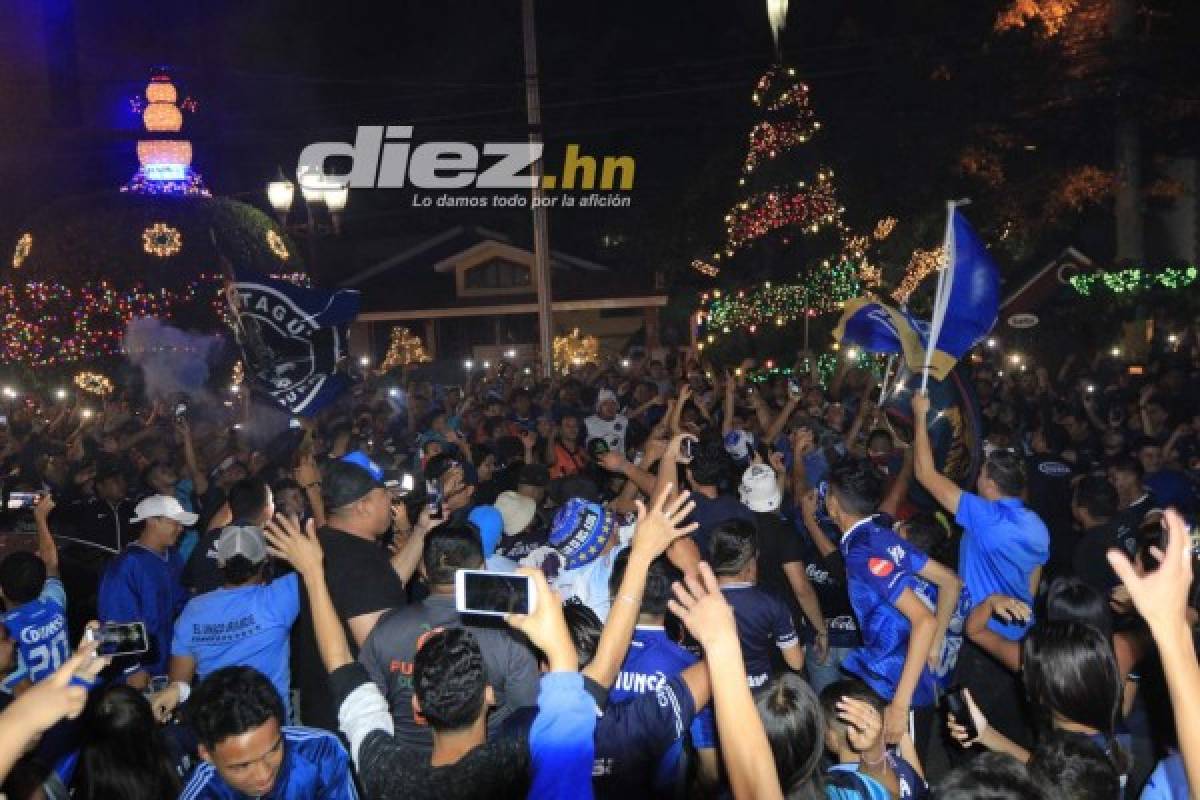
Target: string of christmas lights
point(1134, 279)
point(808, 209)
point(921, 265)
point(94, 383)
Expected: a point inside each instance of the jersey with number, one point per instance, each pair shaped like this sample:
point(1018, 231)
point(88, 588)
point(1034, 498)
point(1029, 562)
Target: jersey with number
point(39, 629)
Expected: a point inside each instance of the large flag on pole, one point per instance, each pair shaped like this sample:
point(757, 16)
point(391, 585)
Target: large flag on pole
point(965, 309)
point(293, 339)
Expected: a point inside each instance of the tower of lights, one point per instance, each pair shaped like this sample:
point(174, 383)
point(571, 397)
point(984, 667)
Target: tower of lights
point(164, 158)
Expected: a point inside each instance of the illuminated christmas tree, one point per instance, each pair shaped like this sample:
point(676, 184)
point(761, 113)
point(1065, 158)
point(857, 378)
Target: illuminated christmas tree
point(785, 239)
point(404, 348)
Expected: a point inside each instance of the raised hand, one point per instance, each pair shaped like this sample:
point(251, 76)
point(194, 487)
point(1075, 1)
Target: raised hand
point(864, 725)
point(299, 547)
point(546, 627)
point(920, 406)
point(702, 608)
point(1161, 596)
point(43, 507)
point(662, 523)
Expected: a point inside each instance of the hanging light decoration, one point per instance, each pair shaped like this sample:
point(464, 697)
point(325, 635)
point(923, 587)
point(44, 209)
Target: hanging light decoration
point(162, 240)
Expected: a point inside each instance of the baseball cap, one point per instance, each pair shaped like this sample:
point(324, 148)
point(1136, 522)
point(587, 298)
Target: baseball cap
point(604, 396)
point(490, 524)
point(581, 531)
point(345, 481)
point(516, 511)
point(241, 540)
point(759, 490)
point(160, 505)
point(363, 460)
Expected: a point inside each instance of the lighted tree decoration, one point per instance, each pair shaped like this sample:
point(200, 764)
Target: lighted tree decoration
point(404, 348)
point(84, 267)
point(574, 350)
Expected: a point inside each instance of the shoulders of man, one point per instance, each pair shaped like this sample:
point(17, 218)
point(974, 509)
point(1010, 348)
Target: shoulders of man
point(205, 783)
point(314, 744)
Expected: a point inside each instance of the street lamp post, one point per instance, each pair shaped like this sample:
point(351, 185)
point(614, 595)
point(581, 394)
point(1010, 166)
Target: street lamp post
point(316, 190)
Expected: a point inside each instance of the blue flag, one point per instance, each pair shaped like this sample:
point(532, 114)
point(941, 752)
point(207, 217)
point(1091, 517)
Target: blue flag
point(969, 301)
point(969, 304)
point(293, 340)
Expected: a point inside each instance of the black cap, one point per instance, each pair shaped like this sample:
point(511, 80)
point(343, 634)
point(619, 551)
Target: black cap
point(343, 483)
point(534, 475)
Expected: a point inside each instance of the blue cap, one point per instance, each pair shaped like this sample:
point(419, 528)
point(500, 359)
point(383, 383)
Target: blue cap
point(360, 459)
point(581, 531)
point(490, 524)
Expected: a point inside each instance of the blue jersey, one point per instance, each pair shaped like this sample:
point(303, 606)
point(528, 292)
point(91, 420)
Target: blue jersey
point(39, 630)
point(1003, 542)
point(142, 586)
point(633, 739)
point(952, 642)
point(912, 785)
point(244, 626)
point(651, 660)
point(880, 566)
point(315, 767)
point(763, 622)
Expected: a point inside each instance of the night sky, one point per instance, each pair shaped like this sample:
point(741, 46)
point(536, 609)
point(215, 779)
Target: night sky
point(901, 88)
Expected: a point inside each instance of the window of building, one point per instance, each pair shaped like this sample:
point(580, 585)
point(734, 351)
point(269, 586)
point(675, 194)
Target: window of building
point(496, 274)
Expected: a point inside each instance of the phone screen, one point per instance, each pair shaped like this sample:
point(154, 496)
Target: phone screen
point(20, 500)
point(494, 593)
point(433, 495)
point(120, 638)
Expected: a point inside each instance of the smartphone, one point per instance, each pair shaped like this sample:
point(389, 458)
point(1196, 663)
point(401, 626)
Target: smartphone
point(793, 387)
point(119, 638)
point(478, 591)
point(433, 498)
point(22, 500)
point(181, 412)
point(3, 420)
point(956, 704)
point(687, 450)
point(295, 423)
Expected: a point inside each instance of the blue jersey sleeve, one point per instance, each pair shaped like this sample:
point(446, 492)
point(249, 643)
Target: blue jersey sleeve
point(117, 600)
point(336, 781)
point(887, 565)
point(973, 511)
point(783, 628)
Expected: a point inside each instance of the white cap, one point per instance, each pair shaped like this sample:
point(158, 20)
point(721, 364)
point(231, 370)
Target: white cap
point(160, 505)
point(241, 540)
point(760, 489)
point(605, 396)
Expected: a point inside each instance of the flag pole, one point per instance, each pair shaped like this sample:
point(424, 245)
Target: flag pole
point(941, 296)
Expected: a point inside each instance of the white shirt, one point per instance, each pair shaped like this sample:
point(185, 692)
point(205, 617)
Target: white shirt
point(611, 431)
point(589, 584)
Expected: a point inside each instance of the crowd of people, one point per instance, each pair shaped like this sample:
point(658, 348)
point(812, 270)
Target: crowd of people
point(744, 585)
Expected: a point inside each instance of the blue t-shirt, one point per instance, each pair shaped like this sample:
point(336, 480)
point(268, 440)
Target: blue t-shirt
point(1168, 781)
point(1172, 488)
point(880, 566)
point(1002, 544)
point(632, 738)
point(246, 626)
point(952, 642)
point(709, 513)
point(763, 622)
point(845, 782)
point(315, 767)
point(39, 630)
point(140, 585)
point(652, 659)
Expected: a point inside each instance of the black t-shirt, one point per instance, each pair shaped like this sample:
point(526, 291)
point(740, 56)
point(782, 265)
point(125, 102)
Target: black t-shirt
point(1091, 565)
point(201, 574)
point(827, 574)
point(779, 544)
point(361, 581)
point(1049, 496)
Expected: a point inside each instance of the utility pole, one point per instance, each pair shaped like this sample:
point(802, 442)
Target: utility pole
point(1128, 144)
point(541, 232)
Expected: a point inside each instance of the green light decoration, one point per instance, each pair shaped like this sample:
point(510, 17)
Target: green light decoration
point(748, 310)
point(1134, 279)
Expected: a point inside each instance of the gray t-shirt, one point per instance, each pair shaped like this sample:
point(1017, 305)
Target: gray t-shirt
point(512, 670)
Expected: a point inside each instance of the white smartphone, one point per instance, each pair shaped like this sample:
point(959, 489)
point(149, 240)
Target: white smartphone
point(477, 591)
point(119, 638)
